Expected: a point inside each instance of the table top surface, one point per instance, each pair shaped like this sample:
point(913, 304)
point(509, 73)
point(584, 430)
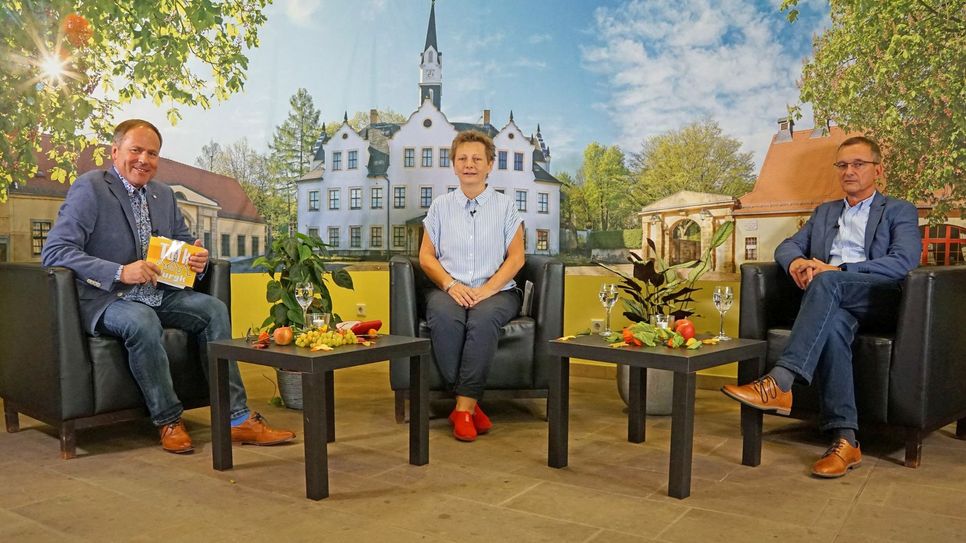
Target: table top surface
point(595, 347)
point(294, 358)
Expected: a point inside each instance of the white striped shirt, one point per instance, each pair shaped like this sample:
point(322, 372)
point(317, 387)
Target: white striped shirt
point(849, 244)
point(472, 236)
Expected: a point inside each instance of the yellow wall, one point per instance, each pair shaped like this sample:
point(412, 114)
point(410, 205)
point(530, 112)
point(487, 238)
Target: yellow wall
point(372, 288)
point(16, 215)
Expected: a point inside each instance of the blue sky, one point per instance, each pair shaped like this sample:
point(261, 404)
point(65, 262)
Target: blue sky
point(611, 71)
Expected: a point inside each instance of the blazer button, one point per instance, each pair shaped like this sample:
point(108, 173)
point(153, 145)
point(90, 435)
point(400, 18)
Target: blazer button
point(120, 294)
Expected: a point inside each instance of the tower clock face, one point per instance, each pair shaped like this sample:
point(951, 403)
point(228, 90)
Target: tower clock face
point(430, 74)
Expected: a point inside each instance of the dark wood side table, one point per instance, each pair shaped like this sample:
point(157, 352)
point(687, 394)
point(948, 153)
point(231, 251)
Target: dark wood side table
point(318, 396)
point(685, 364)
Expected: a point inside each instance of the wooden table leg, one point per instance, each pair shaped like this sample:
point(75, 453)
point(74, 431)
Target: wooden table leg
point(418, 410)
point(330, 406)
point(636, 404)
point(751, 418)
point(559, 413)
point(220, 411)
point(316, 448)
point(682, 435)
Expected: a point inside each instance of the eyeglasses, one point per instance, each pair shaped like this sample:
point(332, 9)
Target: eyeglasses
point(856, 164)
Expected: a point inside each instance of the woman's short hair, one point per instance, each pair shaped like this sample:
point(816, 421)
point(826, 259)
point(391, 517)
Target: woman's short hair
point(474, 136)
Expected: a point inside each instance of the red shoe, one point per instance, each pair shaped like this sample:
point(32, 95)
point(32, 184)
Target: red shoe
point(463, 428)
point(480, 421)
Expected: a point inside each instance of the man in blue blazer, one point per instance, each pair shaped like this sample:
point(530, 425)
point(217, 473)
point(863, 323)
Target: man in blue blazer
point(867, 243)
point(102, 234)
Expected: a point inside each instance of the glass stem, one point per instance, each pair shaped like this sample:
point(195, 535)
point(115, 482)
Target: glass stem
point(607, 327)
point(721, 327)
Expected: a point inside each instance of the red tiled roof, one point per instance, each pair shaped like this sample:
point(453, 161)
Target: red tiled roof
point(233, 202)
point(797, 175)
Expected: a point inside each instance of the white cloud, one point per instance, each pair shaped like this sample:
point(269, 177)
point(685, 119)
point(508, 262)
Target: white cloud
point(667, 63)
point(300, 12)
point(539, 38)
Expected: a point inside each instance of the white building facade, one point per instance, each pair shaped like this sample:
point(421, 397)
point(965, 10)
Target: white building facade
point(369, 191)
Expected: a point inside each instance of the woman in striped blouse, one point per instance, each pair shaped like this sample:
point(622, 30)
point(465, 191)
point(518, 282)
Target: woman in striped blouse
point(471, 250)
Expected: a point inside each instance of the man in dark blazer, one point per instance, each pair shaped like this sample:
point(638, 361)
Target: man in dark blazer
point(850, 258)
point(102, 234)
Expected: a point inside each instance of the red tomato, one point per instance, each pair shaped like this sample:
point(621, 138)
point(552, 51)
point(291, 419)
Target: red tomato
point(686, 331)
point(680, 323)
point(628, 335)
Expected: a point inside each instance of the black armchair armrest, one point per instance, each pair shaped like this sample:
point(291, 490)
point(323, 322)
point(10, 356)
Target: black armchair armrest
point(927, 380)
point(406, 280)
point(217, 280)
point(769, 299)
point(547, 275)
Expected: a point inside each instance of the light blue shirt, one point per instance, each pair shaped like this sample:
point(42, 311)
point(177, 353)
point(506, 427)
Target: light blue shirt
point(471, 237)
point(849, 244)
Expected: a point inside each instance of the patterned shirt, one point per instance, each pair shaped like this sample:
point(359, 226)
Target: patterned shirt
point(849, 244)
point(471, 237)
point(147, 293)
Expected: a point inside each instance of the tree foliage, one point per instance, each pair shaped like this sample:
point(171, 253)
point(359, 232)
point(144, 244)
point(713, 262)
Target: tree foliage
point(896, 71)
point(184, 52)
point(697, 157)
point(291, 149)
point(360, 120)
point(603, 181)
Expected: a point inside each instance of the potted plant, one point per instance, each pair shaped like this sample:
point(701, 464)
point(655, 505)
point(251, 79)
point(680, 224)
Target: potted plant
point(656, 288)
point(292, 260)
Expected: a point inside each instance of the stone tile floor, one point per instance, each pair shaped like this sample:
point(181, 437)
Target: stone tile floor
point(123, 487)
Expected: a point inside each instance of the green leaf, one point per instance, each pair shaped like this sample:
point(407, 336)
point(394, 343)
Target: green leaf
point(273, 291)
point(343, 279)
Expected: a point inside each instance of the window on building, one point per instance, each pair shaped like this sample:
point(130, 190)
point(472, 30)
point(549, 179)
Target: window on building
point(444, 158)
point(255, 247)
point(943, 245)
point(525, 245)
point(355, 198)
point(427, 157)
point(543, 240)
point(685, 241)
point(399, 236)
point(4, 249)
point(353, 160)
point(207, 241)
point(409, 157)
point(313, 232)
point(521, 200)
point(543, 202)
point(518, 162)
point(225, 245)
point(240, 245)
point(355, 237)
point(375, 198)
point(313, 200)
point(38, 235)
point(501, 191)
point(333, 236)
point(337, 160)
point(375, 237)
point(334, 196)
point(399, 197)
point(751, 249)
point(451, 188)
point(425, 196)
point(501, 160)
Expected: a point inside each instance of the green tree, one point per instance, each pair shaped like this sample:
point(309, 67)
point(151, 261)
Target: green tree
point(360, 120)
point(291, 148)
point(67, 66)
point(603, 177)
point(896, 71)
point(696, 157)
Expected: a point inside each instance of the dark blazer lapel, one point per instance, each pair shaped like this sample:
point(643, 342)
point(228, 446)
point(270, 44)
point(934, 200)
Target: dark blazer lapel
point(875, 216)
point(831, 228)
point(123, 198)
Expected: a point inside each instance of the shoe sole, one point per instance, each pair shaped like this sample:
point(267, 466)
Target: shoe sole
point(264, 443)
point(464, 439)
point(179, 451)
point(742, 401)
point(837, 475)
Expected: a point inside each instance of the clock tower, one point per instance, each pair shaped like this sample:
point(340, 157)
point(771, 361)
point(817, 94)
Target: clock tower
point(431, 65)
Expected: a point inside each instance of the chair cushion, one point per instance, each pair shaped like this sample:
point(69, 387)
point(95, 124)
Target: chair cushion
point(115, 388)
point(512, 366)
point(871, 362)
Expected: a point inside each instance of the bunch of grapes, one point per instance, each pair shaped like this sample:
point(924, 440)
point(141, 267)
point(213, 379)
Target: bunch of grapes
point(332, 338)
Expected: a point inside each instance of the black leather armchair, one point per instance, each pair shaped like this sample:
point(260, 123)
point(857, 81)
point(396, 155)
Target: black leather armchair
point(911, 378)
point(521, 367)
point(51, 370)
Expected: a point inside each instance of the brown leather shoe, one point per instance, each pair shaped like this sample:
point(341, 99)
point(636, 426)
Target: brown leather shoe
point(762, 394)
point(175, 439)
point(255, 431)
point(838, 459)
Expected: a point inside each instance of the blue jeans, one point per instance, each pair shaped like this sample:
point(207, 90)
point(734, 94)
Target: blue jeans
point(140, 327)
point(465, 340)
point(835, 304)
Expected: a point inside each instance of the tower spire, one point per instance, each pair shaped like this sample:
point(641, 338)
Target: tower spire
point(431, 65)
point(431, 30)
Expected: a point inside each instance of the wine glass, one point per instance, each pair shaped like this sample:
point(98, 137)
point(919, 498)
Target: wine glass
point(723, 297)
point(303, 295)
point(608, 297)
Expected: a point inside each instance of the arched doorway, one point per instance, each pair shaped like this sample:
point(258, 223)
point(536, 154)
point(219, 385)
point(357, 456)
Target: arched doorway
point(685, 242)
point(943, 245)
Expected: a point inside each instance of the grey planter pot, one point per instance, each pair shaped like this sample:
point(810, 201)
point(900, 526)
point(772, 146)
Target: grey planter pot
point(660, 389)
point(290, 388)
